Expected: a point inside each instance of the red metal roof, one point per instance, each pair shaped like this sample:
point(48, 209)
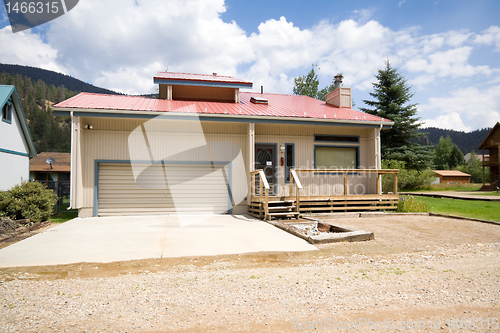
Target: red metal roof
point(199, 77)
point(280, 105)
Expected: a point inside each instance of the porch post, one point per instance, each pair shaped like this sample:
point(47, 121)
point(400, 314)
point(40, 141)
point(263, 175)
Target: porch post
point(395, 183)
point(345, 183)
point(378, 158)
point(251, 147)
point(484, 181)
point(251, 156)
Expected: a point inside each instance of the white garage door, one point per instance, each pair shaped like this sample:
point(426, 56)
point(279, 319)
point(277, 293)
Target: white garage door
point(161, 189)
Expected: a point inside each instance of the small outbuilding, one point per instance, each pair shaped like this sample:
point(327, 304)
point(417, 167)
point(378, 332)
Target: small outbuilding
point(451, 176)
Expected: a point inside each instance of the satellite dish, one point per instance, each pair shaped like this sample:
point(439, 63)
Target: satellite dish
point(50, 161)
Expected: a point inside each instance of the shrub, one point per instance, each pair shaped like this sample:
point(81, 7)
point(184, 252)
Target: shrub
point(408, 204)
point(28, 200)
point(407, 179)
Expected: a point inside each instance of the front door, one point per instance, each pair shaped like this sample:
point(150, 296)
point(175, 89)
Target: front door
point(265, 159)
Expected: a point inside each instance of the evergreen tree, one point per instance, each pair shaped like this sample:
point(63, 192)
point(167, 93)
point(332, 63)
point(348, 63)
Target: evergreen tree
point(391, 101)
point(456, 157)
point(49, 133)
point(447, 155)
point(442, 154)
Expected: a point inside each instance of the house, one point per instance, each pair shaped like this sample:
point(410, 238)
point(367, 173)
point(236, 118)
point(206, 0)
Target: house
point(468, 156)
point(16, 145)
point(492, 144)
point(451, 177)
point(53, 170)
point(204, 146)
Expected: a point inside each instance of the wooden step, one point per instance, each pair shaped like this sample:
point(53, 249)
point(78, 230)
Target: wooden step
point(281, 207)
point(284, 214)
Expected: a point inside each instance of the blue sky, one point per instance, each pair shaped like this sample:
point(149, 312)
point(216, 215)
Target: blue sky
point(448, 51)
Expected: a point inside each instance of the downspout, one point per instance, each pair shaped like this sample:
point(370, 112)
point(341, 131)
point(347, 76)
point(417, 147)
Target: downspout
point(72, 165)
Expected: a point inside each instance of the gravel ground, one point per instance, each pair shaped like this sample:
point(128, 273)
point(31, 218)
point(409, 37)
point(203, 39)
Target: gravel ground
point(427, 269)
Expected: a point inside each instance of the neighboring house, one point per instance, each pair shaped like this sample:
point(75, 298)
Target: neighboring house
point(16, 145)
point(492, 144)
point(451, 177)
point(468, 156)
point(198, 148)
point(53, 170)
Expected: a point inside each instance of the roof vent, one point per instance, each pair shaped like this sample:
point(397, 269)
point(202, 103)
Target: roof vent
point(259, 100)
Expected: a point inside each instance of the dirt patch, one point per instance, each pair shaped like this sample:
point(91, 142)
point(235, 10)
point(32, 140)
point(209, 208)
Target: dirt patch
point(418, 268)
point(12, 231)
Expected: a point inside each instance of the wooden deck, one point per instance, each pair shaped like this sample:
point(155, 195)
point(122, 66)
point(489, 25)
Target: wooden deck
point(295, 204)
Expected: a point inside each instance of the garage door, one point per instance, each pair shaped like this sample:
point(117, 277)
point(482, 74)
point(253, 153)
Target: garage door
point(161, 189)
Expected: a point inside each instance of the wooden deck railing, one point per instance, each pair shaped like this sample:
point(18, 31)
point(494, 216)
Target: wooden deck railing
point(323, 178)
point(263, 194)
point(322, 190)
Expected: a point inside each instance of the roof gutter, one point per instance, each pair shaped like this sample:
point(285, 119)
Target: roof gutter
point(149, 114)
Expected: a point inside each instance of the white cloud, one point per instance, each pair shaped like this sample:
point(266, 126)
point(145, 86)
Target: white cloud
point(121, 44)
point(490, 36)
point(472, 106)
point(363, 15)
point(26, 48)
point(112, 41)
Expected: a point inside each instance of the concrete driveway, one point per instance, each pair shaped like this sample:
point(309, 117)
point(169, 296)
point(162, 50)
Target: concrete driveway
point(108, 239)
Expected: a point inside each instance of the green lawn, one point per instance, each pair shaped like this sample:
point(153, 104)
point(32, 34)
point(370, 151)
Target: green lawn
point(64, 214)
point(484, 210)
point(487, 193)
point(449, 187)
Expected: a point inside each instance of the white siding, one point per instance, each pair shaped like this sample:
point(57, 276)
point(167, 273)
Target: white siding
point(13, 170)
point(178, 140)
point(109, 140)
point(13, 167)
point(11, 135)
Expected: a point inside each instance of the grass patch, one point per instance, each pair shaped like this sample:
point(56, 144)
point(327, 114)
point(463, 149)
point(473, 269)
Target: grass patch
point(64, 214)
point(449, 187)
point(487, 193)
point(409, 204)
point(483, 210)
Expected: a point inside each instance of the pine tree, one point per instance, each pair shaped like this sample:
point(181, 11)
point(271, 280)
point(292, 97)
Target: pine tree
point(456, 157)
point(391, 101)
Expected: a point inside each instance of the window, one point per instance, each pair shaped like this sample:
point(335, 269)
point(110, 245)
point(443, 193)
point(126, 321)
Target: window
point(7, 112)
point(289, 160)
point(336, 158)
point(336, 138)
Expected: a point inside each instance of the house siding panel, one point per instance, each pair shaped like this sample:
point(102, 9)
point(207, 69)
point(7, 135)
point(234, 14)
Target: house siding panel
point(109, 140)
point(303, 138)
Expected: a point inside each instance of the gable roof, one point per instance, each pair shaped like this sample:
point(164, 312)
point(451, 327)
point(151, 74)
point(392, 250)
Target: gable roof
point(279, 107)
point(9, 92)
point(491, 138)
point(451, 173)
point(62, 164)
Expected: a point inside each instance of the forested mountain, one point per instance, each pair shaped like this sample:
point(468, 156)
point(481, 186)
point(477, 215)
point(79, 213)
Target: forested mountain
point(49, 133)
point(54, 78)
point(467, 142)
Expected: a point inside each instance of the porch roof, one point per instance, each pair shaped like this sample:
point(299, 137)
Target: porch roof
point(280, 106)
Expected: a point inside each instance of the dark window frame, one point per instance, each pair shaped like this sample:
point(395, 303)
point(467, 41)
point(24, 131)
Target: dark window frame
point(348, 139)
point(7, 112)
point(288, 167)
